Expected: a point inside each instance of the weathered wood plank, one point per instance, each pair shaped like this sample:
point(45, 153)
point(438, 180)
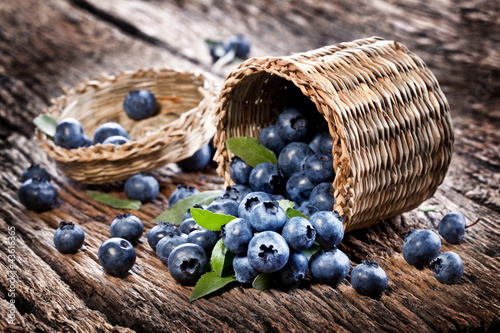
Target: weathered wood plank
point(66, 42)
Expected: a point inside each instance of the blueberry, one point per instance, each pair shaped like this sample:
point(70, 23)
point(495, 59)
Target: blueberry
point(240, 44)
point(319, 168)
point(69, 237)
point(291, 159)
point(189, 225)
point(239, 171)
point(116, 140)
point(250, 201)
point(140, 104)
point(204, 238)
point(266, 177)
point(109, 129)
point(142, 187)
point(322, 143)
point(160, 230)
point(235, 192)
point(299, 233)
point(299, 187)
point(236, 235)
point(329, 228)
point(37, 195)
point(245, 273)
point(224, 206)
point(307, 209)
point(86, 141)
point(452, 227)
point(167, 244)
point(329, 267)
point(292, 125)
point(267, 215)
point(187, 263)
point(116, 256)
point(127, 226)
point(197, 161)
point(269, 138)
point(181, 192)
point(294, 270)
point(268, 252)
point(322, 196)
point(448, 267)
point(69, 133)
point(35, 171)
point(369, 279)
point(421, 247)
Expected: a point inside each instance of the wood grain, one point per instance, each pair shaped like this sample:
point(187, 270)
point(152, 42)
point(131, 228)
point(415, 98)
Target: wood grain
point(48, 46)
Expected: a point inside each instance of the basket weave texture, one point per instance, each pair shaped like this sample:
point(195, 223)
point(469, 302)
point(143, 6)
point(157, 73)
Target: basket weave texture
point(184, 123)
point(390, 121)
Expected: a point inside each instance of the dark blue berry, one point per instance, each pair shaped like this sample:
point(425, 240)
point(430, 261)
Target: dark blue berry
point(240, 44)
point(329, 267)
point(127, 226)
point(37, 195)
point(140, 104)
point(35, 171)
point(307, 209)
point(116, 140)
point(299, 187)
point(319, 168)
point(69, 237)
point(452, 227)
point(224, 206)
point(142, 187)
point(197, 161)
point(189, 225)
point(245, 273)
point(69, 134)
point(266, 177)
point(421, 247)
point(167, 244)
point(160, 230)
point(369, 279)
point(268, 252)
point(187, 263)
point(322, 196)
point(251, 200)
point(236, 235)
point(329, 228)
point(204, 238)
point(294, 270)
point(322, 143)
point(116, 256)
point(292, 125)
point(181, 192)
point(239, 171)
point(108, 129)
point(267, 215)
point(292, 157)
point(269, 138)
point(299, 233)
point(448, 267)
point(235, 192)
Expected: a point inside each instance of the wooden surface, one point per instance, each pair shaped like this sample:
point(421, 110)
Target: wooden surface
point(47, 46)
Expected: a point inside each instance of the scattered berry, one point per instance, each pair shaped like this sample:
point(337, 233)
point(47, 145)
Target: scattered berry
point(421, 247)
point(142, 187)
point(452, 227)
point(35, 171)
point(69, 237)
point(448, 267)
point(37, 195)
point(187, 262)
point(116, 256)
point(329, 267)
point(127, 226)
point(369, 279)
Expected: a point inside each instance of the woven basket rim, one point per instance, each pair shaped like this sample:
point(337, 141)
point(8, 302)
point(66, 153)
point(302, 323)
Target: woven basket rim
point(153, 140)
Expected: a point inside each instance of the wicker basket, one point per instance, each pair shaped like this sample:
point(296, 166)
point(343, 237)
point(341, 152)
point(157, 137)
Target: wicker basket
point(184, 123)
point(390, 122)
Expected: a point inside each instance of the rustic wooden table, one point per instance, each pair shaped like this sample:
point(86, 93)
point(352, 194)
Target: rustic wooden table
point(47, 46)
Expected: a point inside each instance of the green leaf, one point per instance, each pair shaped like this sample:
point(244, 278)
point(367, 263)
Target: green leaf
point(209, 220)
point(250, 151)
point(429, 208)
point(45, 123)
point(209, 283)
point(221, 257)
point(175, 214)
point(262, 281)
point(113, 201)
point(291, 212)
point(312, 250)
